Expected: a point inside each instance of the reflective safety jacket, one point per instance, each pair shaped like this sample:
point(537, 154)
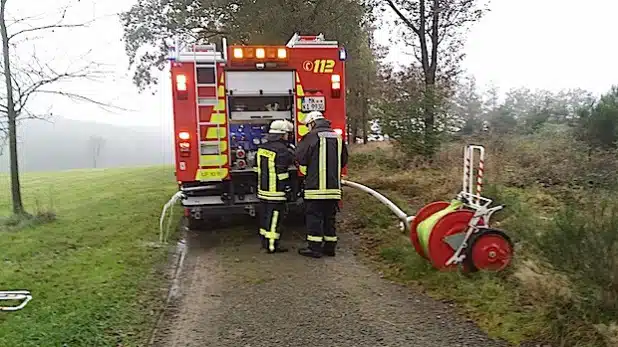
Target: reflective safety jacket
point(273, 161)
point(321, 154)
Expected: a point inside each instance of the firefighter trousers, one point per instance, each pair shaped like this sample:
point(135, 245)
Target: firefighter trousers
point(270, 219)
point(320, 216)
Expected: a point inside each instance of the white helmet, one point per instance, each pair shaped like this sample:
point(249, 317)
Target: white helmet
point(312, 116)
point(280, 126)
point(290, 126)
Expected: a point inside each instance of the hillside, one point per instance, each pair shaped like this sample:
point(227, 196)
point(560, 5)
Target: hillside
point(63, 144)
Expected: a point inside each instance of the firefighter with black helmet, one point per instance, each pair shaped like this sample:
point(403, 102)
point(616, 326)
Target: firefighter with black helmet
point(273, 162)
point(321, 155)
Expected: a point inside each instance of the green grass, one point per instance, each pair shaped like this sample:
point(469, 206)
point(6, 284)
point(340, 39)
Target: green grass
point(492, 301)
point(96, 272)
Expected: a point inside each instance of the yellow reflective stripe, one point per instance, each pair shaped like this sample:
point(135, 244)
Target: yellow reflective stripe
point(272, 198)
point(328, 194)
point(339, 150)
point(272, 173)
point(212, 133)
point(330, 238)
point(220, 106)
point(283, 176)
point(213, 160)
point(322, 164)
point(273, 235)
point(322, 197)
point(314, 238)
point(266, 153)
point(303, 169)
point(303, 130)
point(221, 91)
point(323, 191)
point(269, 193)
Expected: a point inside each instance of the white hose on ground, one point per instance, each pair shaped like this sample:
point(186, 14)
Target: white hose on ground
point(405, 219)
point(168, 205)
point(15, 295)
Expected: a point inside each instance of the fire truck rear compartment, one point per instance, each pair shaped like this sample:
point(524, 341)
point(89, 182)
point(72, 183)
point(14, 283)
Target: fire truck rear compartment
point(237, 195)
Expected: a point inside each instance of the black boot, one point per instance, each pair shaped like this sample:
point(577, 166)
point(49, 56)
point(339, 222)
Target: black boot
point(308, 252)
point(328, 253)
point(328, 249)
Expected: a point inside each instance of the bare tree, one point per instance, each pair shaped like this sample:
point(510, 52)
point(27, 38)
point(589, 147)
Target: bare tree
point(435, 29)
point(95, 144)
point(25, 78)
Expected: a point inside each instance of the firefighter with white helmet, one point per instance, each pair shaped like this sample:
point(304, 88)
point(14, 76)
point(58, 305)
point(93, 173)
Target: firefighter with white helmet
point(321, 155)
point(273, 162)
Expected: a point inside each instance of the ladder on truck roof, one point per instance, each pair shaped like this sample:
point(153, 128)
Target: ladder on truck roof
point(207, 57)
point(310, 41)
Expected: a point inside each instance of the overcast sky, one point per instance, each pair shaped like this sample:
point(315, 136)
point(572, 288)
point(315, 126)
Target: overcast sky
point(551, 44)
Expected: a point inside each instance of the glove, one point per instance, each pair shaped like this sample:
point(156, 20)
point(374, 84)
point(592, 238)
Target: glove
point(288, 193)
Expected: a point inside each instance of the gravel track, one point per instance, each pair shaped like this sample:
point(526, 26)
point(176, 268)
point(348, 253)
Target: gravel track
point(233, 295)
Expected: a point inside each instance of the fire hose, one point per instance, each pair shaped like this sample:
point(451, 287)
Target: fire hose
point(18, 295)
point(405, 219)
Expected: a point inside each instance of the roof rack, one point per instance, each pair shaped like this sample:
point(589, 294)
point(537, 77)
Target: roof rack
point(313, 41)
point(184, 52)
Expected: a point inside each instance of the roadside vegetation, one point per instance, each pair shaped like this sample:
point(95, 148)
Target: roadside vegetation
point(558, 181)
point(97, 272)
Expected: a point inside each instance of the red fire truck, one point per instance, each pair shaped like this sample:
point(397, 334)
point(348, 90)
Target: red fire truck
point(223, 102)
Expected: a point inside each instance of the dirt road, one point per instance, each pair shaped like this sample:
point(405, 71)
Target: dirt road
point(231, 294)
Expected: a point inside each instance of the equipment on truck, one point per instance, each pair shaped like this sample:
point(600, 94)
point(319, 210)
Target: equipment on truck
point(223, 102)
point(457, 232)
point(18, 295)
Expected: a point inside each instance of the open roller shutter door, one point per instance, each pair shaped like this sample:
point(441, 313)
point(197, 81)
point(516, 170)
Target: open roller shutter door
point(269, 82)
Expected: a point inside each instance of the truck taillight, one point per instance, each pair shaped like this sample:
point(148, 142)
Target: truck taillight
point(339, 131)
point(185, 149)
point(183, 135)
point(181, 87)
point(335, 87)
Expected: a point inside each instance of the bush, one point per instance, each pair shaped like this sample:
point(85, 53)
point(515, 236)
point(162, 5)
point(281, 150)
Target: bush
point(583, 243)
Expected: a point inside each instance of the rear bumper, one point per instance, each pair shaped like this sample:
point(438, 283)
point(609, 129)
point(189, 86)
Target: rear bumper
point(209, 206)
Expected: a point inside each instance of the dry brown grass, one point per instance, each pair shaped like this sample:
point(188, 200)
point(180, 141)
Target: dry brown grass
point(535, 177)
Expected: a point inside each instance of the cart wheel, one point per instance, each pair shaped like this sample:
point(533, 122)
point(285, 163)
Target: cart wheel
point(489, 250)
point(423, 214)
point(453, 223)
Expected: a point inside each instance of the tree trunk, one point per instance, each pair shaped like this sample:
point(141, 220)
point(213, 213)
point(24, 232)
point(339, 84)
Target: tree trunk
point(365, 122)
point(18, 206)
point(429, 111)
point(353, 129)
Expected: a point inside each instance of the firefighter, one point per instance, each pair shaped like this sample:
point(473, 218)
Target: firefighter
point(321, 154)
point(273, 161)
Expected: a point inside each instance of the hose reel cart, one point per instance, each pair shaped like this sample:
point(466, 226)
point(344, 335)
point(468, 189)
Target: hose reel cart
point(458, 232)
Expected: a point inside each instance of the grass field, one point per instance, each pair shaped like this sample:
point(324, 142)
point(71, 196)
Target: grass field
point(96, 273)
